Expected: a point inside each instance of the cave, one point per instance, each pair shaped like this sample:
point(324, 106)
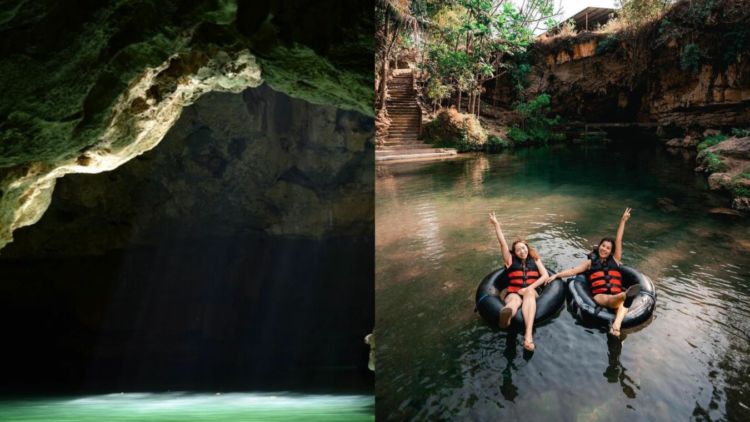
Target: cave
point(234, 255)
point(186, 195)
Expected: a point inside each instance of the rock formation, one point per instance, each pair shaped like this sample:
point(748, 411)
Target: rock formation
point(89, 85)
point(690, 69)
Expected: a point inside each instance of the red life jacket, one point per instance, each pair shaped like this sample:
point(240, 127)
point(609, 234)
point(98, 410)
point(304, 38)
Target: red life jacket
point(521, 274)
point(604, 277)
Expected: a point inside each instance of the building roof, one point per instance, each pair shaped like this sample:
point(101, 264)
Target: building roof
point(588, 19)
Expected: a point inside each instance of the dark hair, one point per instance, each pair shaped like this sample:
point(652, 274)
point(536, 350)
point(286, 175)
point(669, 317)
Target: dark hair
point(606, 239)
point(532, 251)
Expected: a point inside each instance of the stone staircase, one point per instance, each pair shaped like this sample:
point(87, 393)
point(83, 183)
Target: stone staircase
point(406, 119)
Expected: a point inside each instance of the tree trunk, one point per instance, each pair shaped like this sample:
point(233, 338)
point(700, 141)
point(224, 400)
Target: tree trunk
point(458, 103)
point(380, 97)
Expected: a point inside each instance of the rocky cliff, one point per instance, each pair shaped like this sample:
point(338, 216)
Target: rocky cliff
point(689, 69)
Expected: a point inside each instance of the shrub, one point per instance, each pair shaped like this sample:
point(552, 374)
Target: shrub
point(535, 125)
point(711, 141)
point(496, 143)
point(608, 44)
point(690, 60)
point(740, 133)
point(713, 162)
point(451, 129)
point(740, 190)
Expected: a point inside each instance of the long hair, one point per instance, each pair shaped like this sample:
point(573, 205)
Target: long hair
point(532, 252)
point(606, 239)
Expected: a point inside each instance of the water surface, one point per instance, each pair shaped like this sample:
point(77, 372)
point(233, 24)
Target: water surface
point(189, 407)
point(438, 360)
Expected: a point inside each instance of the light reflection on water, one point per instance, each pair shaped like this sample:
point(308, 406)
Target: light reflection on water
point(189, 407)
point(437, 359)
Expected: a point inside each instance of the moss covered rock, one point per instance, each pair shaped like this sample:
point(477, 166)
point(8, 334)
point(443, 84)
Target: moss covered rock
point(88, 85)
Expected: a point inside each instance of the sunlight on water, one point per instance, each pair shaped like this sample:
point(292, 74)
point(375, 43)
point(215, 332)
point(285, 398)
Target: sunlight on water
point(190, 407)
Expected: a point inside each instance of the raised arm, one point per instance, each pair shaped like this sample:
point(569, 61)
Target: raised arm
point(507, 258)
point(620, 231)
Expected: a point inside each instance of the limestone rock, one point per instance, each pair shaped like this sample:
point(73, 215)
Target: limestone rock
point(741, 203)
point(638, 76)
point(258, 162)
point(738, 148)
point(718, 181)
point(89, 85)
point(686, 142)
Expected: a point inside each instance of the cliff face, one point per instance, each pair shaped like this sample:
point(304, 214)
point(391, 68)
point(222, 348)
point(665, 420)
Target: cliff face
point(692, 68)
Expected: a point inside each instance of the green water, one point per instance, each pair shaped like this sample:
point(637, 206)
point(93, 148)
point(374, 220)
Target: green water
point(438, 360)
point(189, 407)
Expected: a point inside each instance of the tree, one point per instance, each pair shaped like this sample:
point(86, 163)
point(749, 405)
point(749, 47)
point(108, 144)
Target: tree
point(469, 43)
point(393, 19)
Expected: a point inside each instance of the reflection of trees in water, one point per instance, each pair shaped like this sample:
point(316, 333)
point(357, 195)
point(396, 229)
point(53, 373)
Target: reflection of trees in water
point(616, 371)
point(476, 170)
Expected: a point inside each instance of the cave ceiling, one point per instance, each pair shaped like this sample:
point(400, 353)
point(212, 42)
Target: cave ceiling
point(89, 85)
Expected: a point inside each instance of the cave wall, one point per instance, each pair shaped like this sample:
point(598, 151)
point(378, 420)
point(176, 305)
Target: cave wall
point(237, 254)
point(88, 85)
point(256, 162)
point(643, 76)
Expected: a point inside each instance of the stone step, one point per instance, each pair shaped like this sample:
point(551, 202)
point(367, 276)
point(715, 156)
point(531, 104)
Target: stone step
point(405, 146)
point(415, 150)
point(418, 156)
point(406, 140)
point(402, 128)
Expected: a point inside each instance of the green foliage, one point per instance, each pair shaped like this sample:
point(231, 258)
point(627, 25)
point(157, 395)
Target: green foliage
point(437, 91)
point(535, 125)
point(700, 10)
point(740, 133)
point(664, 25)
point(711, 141)
point(473, 41)
point(713, 162)
point(607, 45)
point(519, 69)
point(741, 190)
point(451, 129)
point(636, 12)
point(735, 43)
point(495, 143)
point(690, 60)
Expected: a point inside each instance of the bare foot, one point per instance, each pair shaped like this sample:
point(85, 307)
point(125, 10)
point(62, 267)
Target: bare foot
point(614, 331)
point(528, 345)
point(505, 314)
